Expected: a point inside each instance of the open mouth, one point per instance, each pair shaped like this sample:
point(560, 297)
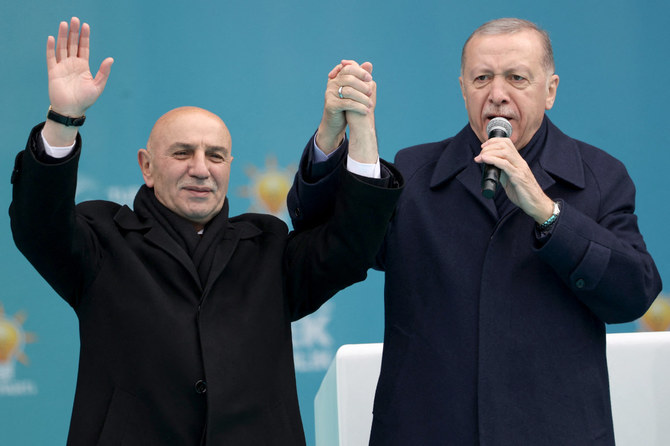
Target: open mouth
point(490, 117)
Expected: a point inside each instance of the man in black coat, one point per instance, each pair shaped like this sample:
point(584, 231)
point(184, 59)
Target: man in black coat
point(495, 309)
point(184, 312)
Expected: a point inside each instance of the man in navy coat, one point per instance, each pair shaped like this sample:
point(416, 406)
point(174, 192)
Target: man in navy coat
point(184, 313)
point(495, 309)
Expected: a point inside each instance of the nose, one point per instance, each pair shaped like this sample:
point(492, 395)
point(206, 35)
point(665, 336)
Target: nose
point(198, 166)
point(498, 93)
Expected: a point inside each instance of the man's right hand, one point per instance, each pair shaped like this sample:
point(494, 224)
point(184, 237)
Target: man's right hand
point(72, 87)
point(357, 88)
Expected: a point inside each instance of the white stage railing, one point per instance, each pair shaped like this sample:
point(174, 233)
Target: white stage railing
point(639, 369)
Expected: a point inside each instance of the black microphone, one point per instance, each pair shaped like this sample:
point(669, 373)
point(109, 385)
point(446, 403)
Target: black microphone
point(496, 128)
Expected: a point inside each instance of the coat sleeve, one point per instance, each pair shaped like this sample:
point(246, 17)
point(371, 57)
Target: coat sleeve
point(43, 221)
point(603, 259)
point(311, 200)
point(323, 259)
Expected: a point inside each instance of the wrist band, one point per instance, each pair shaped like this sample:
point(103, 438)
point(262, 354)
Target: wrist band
point(550, 221)
point(65, 120)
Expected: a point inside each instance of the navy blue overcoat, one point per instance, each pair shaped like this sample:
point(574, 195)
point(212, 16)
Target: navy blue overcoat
point(494, 335)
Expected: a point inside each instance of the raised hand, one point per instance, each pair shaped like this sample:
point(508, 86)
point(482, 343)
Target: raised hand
point(72, 87)
point(349, 89)
point(361, 121)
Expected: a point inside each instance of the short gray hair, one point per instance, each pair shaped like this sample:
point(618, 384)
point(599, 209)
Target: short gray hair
point(511, 26)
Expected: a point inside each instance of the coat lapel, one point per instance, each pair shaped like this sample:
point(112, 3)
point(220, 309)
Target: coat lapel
point(226, 247)
point(457, 162)
point(559, 159)
point(224, 251)
point(155, 235)
point(158, 237)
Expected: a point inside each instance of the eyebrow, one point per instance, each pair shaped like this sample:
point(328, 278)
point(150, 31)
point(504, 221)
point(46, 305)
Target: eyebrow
point(488, 69)
point(520, 67)
point(208, 148)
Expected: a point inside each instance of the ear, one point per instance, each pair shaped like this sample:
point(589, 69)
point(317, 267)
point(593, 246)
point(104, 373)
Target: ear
point(144, 159)
point(551, 92)
point(460, 81)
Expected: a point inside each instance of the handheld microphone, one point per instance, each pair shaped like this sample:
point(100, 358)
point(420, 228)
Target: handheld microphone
point(496, 128)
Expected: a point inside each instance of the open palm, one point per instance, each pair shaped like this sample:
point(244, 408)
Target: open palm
point(72, 87)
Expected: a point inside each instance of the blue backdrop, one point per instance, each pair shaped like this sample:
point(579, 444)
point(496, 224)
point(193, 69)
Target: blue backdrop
point(262, 66)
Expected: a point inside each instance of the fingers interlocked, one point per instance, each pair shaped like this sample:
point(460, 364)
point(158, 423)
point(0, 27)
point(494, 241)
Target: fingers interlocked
point(350, 88)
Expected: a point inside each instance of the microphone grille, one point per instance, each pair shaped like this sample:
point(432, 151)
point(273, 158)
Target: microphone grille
point(499, 124)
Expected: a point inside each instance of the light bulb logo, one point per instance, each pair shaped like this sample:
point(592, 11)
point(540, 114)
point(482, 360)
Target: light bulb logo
point(268, 188)
point(9, 339)
point(272, 189)
point(657, 318)
point(12, 341)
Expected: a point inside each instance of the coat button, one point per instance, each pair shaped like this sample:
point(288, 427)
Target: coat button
point(200, 386)
point(580, 283)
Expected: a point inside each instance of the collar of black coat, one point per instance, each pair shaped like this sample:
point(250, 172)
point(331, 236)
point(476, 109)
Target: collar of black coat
point(127, 219)
point(205, 259)
point(559, 159)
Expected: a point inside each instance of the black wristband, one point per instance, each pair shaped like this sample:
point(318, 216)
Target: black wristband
point(65, 120)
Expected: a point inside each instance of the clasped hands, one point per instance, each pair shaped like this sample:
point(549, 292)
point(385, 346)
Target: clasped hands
point(350, 99)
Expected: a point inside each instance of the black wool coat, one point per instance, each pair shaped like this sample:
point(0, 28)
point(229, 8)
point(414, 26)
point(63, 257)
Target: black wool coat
point(166, 359)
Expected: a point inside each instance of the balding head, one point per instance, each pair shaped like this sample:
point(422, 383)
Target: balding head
point(165, 123)
point(187, 163)
point(511, 25)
